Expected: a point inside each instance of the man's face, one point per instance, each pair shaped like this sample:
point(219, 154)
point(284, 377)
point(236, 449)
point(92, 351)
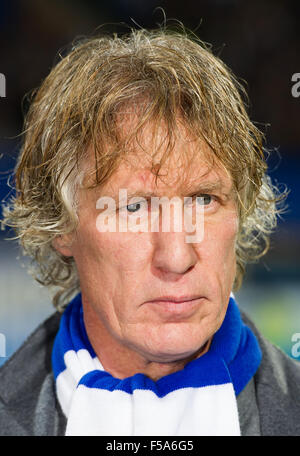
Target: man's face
point(121, 273)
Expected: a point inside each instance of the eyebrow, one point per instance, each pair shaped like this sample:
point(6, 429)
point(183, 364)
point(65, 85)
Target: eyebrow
point(202, 188)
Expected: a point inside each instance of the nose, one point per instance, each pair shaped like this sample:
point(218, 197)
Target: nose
point(173, 256)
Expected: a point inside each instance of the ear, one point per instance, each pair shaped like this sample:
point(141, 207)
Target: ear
point(63, 245)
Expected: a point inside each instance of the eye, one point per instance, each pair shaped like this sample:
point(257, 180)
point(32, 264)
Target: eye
point(133, 207)
point(204, 200)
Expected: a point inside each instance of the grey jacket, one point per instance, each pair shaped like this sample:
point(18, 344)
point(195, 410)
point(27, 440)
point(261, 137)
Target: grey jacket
point(269, 405)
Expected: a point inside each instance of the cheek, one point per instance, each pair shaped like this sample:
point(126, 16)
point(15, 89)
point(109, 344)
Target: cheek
point(221, 232)
point(228, 234)
point(228, 250)
point(217, 250)
point(126, 252)
point(227, 244)
point(111, 257)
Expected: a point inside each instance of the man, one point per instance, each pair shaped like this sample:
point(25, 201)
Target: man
point(147, 338)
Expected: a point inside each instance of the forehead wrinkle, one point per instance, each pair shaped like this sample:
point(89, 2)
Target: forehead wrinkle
point(210, 185)
point(200, 172)
point(178, 172)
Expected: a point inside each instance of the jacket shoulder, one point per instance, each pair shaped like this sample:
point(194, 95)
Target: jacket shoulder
point(28, 403)
point(277, 386)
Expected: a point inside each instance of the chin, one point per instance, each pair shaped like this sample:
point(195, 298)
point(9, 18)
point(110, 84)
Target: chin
point(171, 356)
point(177, 349)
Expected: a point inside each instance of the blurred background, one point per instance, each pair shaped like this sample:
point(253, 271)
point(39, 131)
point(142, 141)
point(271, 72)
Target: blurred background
point(259, 40)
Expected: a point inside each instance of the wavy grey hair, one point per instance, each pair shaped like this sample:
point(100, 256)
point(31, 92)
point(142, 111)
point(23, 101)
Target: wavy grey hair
point(77, 106)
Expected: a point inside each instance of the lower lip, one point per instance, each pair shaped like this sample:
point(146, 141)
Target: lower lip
point(177, 308)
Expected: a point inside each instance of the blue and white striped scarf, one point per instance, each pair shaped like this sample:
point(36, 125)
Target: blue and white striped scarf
point(197, 400)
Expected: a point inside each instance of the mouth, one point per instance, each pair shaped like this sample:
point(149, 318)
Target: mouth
point(183, 306)
point(176, 299)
